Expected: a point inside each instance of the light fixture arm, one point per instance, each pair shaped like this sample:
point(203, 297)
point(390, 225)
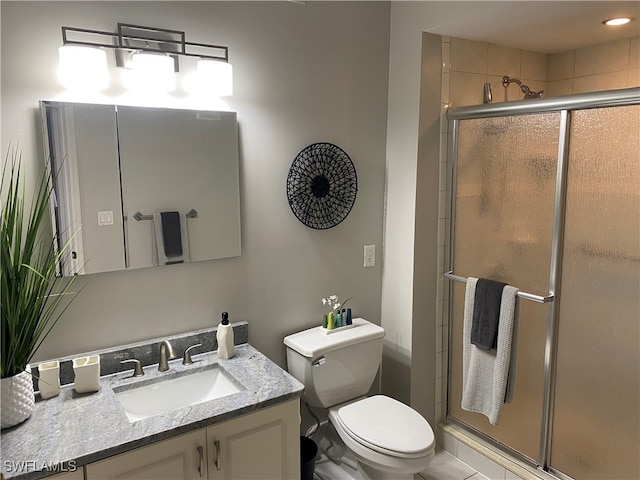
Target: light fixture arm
point(152, 55)
point(142, 38)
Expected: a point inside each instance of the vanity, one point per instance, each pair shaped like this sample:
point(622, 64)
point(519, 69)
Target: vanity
point(246, 426)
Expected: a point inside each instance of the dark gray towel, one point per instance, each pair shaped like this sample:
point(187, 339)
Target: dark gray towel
point(171, 234)
point(486, 313)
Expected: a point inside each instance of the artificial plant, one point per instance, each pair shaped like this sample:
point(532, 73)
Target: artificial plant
point(32, 294)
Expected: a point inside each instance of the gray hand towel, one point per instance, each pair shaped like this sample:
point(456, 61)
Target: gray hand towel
point(171, 235)
point(163, 255)
point(486, 313)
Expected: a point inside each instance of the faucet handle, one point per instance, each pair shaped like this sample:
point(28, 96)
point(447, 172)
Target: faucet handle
point(137, 371)
point(186, 359)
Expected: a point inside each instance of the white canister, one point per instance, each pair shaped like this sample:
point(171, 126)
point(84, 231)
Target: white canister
point(87, 374)
point(49, 379)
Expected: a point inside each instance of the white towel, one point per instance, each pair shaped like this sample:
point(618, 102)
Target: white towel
point(159, 257)
point(488, 377)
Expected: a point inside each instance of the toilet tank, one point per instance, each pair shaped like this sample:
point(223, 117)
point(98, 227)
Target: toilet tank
point(335, 366)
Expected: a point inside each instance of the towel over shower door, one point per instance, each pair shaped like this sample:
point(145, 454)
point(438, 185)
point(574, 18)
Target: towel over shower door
point(596, 428)
point(503, 227)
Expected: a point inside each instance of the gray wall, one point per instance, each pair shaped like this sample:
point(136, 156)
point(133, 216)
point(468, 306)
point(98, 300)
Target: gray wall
point(303, 73)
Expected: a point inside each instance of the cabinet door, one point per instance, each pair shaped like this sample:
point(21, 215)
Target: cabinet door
point(182, 457)
point(77, 474)
point(264, 445)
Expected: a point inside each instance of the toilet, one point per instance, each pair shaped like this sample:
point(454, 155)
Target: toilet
point(389, 440)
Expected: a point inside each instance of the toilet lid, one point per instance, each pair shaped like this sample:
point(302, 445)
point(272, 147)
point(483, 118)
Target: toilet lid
point(385, 423)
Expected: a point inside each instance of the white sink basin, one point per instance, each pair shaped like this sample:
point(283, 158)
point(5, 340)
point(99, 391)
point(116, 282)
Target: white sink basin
point(176, 392)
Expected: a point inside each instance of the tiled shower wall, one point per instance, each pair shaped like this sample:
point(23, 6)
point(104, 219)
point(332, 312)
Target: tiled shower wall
point(466, 67)
point(604, 67)
point(472, 64)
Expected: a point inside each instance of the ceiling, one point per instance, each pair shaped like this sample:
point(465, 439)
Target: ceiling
point(542, 26)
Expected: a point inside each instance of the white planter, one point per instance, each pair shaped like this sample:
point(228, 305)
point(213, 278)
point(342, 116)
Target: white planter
point(17, 398)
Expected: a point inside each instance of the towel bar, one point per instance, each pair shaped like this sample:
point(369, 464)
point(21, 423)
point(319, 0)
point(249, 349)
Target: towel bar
point(139, 216)
point(525, 295)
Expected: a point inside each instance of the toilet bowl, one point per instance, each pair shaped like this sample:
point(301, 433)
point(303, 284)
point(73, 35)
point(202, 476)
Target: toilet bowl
point(390, 440)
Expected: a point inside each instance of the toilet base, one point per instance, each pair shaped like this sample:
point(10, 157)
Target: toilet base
point(334, 460)
point(333, 446)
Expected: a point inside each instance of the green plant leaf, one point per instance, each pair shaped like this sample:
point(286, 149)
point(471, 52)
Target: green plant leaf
point(32, 297)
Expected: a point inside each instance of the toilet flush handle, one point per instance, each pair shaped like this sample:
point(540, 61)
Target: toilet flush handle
point(319, 362)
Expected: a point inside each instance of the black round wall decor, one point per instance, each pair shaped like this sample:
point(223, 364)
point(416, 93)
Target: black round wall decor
point(322, 186)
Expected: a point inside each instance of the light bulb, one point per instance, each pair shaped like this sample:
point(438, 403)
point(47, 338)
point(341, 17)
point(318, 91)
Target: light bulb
point(83, 68)
point(153, 72)
point(614, 22)
point(214, 77)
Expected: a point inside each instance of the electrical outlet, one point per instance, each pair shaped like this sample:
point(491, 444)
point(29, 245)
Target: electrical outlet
point(369, 255)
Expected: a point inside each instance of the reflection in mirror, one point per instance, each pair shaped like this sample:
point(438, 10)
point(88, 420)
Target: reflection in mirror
point(142, 186)
point(82, 144)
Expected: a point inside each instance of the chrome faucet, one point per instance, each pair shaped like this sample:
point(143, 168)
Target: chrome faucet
point(166, 354)
point(137, 370)
point(186, 358)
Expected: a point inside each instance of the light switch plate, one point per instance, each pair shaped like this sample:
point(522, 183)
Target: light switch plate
point(105, 218)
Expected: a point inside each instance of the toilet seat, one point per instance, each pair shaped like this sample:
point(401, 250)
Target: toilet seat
point(386, 426)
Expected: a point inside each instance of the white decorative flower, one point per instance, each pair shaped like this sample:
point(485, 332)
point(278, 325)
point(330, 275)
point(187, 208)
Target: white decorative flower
point(333, 302)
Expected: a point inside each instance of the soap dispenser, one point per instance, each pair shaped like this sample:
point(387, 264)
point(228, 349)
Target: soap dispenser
point(224, 335)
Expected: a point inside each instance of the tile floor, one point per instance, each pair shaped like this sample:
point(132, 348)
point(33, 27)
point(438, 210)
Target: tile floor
point(447, 467)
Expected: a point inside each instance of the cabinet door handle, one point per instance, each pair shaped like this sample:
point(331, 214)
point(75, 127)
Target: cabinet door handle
point(200, 460)
point(217, 462)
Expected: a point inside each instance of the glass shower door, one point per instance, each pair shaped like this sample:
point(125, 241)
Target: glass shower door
point(503, 225)
point(596, 428)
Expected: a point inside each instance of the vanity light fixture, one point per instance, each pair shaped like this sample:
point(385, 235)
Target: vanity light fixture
point(614, 22)
point(153, 56)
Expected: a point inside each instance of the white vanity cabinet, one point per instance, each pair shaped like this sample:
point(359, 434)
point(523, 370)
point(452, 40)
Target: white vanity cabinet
point(77, 474)
point(263, 445)
point(178, 458)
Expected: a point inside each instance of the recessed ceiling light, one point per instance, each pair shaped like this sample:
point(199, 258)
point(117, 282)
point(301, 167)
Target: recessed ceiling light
point(617, 21)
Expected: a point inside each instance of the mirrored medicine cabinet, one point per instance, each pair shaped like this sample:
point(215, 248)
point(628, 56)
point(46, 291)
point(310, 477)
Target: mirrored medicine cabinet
point(119, 169)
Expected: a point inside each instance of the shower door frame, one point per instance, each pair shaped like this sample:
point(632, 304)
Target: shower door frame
point(565, 105)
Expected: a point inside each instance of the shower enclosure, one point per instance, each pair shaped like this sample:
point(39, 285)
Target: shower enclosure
point(546, 197)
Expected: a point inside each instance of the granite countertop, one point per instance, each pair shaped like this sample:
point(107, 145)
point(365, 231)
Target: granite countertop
point(74, 430)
